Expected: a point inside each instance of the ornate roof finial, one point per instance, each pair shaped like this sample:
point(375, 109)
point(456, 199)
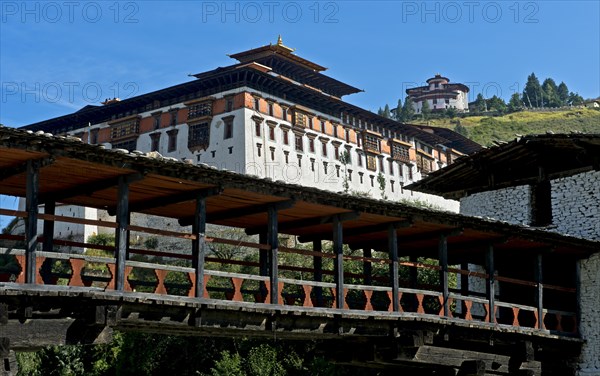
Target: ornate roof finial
point(279, 41)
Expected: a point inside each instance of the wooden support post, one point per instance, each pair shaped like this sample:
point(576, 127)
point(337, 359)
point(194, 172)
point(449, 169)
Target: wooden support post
point(273, 241)
point(338, 250)
point(49, 208)
point(318, 272)
point(128, 234)
point(443, 258)
point(121, 245)
point(393, 250)
point(199, 244)
point(263, 265)
point(413, 280)
point(464, 280)
point(367, 267)
point(490, 287)
point(31, 234)
point(539, 298)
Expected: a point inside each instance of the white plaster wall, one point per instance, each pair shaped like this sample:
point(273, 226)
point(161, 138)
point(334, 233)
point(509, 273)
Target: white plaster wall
point(460, 102)
point(302, 173)
point(64, 230)
point(589, 325)
point(576, 205)
point(510, 204)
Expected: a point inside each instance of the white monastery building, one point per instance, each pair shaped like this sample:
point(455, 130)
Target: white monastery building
point(440, 95)
point(276, 115)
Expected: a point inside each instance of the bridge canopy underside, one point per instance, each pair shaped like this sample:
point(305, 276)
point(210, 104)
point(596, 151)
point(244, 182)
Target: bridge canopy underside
point(392, 284)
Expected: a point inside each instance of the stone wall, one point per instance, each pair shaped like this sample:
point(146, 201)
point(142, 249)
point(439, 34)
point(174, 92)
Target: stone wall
point(576, 205)
point(589, 326)
point(509, 204)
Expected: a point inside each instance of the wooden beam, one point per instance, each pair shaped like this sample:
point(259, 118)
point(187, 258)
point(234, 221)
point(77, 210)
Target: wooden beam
point(169, 200)
point(338, 250)
point(121, 244)
point(88, 188)
point(357, 231)
point(8, 172)
point(273, 241)
point(393, 251)
point(539, 298)
point(443, 258)
point(199, 243)
point(49, 208)
point(407, 239)
point(306, 222)
point(31, 204)
point(404, 246)
point(241, 212)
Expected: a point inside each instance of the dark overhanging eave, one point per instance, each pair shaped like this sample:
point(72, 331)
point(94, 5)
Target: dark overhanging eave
point(519, 162)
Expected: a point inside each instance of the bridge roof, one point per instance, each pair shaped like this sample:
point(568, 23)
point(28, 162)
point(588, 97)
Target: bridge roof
point(87, 175)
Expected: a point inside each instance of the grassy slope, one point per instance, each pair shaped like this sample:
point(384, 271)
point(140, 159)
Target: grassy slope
point(484, 130)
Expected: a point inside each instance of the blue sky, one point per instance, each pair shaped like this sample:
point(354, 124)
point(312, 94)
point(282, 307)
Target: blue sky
point(58, 56)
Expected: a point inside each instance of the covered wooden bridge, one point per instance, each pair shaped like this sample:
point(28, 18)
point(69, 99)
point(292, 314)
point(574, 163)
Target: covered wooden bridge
point(516, 316)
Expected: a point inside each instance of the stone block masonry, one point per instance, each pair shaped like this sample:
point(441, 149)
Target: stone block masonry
point(512, 204)
point(576, 205)
point(589, 326)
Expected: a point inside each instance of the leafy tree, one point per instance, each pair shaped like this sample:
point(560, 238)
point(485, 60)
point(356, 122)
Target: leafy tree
point(532, 94)
point(550, 90)
point(451, 112)
point(386, 112)
point(398, 116)
point(563, 94)
point(575, 99)
point(515, 104)
point(496, 103)
point(479, 105)
point(380, 111)
point(425, 110)
point(408, 111)
point(228, 365)
point(262, 361)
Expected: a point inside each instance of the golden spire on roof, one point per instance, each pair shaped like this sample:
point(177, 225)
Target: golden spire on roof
point(280, 44)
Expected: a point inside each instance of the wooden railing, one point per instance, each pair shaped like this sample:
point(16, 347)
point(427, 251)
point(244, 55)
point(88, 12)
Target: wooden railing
point(164, 278)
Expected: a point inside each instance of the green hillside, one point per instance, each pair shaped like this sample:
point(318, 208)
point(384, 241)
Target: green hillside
point(485, 129)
